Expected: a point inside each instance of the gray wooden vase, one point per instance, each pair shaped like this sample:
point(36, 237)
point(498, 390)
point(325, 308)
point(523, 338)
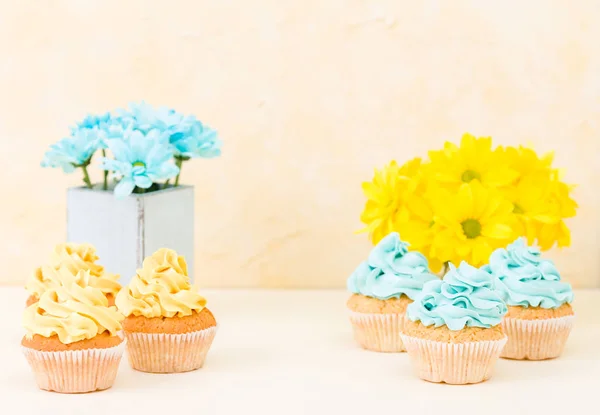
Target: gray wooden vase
point(125, 231)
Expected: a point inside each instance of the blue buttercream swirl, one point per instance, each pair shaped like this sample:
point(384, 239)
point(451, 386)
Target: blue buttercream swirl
point(464, 298)
point(390, 271)
point(524, 278)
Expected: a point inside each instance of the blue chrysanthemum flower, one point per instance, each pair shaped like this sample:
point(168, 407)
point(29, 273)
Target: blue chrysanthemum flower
point(73, 151)
point(145, 117)
point(140, 159)
point(188, 136)
point(196, 141)
point(93, 121)
point(108, 125)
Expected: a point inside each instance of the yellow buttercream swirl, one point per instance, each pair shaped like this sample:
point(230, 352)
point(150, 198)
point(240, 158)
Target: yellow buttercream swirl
point(161, 288)
point(74, 257)
point(72, 310)
point(45, 278)
point(77, 257)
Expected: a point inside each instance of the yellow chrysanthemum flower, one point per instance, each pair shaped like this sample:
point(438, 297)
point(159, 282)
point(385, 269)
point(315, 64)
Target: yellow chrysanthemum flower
point(470, 200)
point(470, 223)
point(385, 209)
point(419, 230)
point(540, 199)
point(396, 203)
point(525, 161)
point(473, 160)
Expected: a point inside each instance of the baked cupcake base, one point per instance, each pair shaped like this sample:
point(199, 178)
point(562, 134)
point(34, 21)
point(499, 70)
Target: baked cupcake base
point(455, 357)
point(74, 368)
point(169, 345)
point(535, 333)
point(169, 353)
point(377, 324)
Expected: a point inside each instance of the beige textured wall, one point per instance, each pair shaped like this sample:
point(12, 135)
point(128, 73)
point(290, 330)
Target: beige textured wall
point(308, 96)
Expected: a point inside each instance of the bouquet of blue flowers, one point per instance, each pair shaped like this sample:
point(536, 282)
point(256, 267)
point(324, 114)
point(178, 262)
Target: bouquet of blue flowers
point(148, 147)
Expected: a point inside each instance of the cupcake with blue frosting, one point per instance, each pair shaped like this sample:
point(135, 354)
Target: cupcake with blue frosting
point(454, 333)
point(540, 316)
point(382, 287)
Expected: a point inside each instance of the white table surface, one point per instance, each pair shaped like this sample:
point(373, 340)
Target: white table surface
point(292, 352)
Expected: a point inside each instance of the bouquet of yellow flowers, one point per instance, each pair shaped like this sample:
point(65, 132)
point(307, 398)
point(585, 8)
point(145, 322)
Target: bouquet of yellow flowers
point(467, 201)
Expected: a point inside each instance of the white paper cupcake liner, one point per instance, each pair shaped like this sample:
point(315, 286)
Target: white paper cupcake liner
point(378, 332)
point(169, 353)
point(536, 339)
point(454, 363)
point(75, 371)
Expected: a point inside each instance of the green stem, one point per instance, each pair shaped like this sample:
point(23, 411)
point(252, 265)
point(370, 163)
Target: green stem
point(105, 183)
point(178, 162)
point(86, 176)
point(166, 184)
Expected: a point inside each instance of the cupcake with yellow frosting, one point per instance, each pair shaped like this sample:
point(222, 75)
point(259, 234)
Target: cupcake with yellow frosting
point(454, 332)
point(72, 342)
point(540, 316)
point(383, 286)
point(73, 257)
point(167, 326)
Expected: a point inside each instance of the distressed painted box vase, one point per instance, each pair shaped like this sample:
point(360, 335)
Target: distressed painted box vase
point(125, 231)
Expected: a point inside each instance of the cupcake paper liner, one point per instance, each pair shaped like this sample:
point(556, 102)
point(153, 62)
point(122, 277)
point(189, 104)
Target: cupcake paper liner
point(169, 353)
point(454, 363)
point(75, 371)
point(378, 332)
point(536, 339)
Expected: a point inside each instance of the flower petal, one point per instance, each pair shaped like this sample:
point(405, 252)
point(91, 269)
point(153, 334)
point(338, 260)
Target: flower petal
point(124, 188)
point(497, 231)
point(142, 181)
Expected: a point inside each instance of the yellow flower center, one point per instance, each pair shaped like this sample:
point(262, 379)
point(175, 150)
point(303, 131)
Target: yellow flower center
point(469, 175)
point(139, 163)
point(518, 209)
point(471, 228)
